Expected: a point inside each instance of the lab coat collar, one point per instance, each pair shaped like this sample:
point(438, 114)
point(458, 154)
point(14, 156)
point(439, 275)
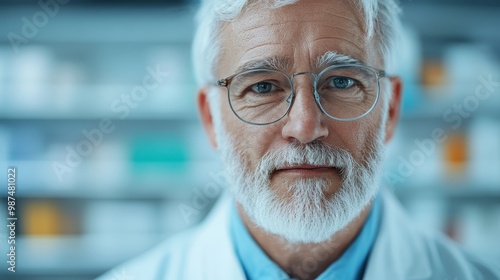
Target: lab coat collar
point(211, 251)
point(400, 244)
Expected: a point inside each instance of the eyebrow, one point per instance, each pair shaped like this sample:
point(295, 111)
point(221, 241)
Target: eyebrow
point(332, 58)
point(270, 63)
point(283, 63)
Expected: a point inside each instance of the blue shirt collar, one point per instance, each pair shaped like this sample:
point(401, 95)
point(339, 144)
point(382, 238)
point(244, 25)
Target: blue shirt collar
point(351, 265)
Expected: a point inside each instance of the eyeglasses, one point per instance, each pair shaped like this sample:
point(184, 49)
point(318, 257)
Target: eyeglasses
point(342, 92)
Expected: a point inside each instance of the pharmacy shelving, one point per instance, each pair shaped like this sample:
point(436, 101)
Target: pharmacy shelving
point(77, 257)
point(89, 55)
point(469, 193)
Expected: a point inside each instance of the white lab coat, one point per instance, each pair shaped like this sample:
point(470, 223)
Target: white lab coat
point(401, 251)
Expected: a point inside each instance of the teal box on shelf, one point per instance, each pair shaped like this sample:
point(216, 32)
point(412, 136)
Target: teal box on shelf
point(167, 153)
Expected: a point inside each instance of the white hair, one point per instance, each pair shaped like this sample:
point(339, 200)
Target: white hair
point(381, 20)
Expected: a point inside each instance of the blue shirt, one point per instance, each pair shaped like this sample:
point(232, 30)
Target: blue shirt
point(351, 265)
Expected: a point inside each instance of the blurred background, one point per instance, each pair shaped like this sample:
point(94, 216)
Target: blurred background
point(107, 168)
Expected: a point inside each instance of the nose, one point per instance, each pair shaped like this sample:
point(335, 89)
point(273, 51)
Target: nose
point(305, 121)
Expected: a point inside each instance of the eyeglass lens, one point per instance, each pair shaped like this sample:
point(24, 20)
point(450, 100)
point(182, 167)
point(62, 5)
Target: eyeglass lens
point(263, 96)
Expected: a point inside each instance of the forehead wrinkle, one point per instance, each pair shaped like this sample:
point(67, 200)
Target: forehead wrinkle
point(264, 44)
point(262, 25)
point(304, 14)
point(352, 33)
point(316, 23)
point(315, 10)
point(350, 19)
point(270, 24)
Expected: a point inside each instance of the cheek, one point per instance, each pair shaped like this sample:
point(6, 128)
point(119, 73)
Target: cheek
point(351, 135)
point(356, 136)
point(250, 141)
point(256, 141)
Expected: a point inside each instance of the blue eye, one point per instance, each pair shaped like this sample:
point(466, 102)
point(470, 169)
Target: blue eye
point(263, 87)
point(341, 82)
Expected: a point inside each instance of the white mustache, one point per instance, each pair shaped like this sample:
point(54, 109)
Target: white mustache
point(315, 153)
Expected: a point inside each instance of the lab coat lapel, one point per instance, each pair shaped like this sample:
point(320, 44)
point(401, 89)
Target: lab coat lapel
point(211, 254)
point(399, 251)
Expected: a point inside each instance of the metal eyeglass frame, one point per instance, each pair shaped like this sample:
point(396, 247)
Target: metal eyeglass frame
point(290, 99)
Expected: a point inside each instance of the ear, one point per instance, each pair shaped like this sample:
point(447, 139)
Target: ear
point(206, 115)
point(396, 85)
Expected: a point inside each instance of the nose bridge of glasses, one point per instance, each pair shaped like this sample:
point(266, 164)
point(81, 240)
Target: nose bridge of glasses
point(311, 83)
point(304, 73)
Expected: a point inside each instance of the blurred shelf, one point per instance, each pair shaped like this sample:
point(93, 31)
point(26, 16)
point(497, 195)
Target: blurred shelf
point(463, 193)
point(81, 193)
point(151, 182)
point(106, 24)
point(428, 108)
point(449, 21)
point(153, 118)
point(437, 115)
point(89, 254)
point(98, 101)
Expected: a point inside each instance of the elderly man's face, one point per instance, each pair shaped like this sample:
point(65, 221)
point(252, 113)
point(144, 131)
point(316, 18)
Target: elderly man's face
point(300, 34)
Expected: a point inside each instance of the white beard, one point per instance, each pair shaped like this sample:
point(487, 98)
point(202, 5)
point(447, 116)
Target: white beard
point(306, 215)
